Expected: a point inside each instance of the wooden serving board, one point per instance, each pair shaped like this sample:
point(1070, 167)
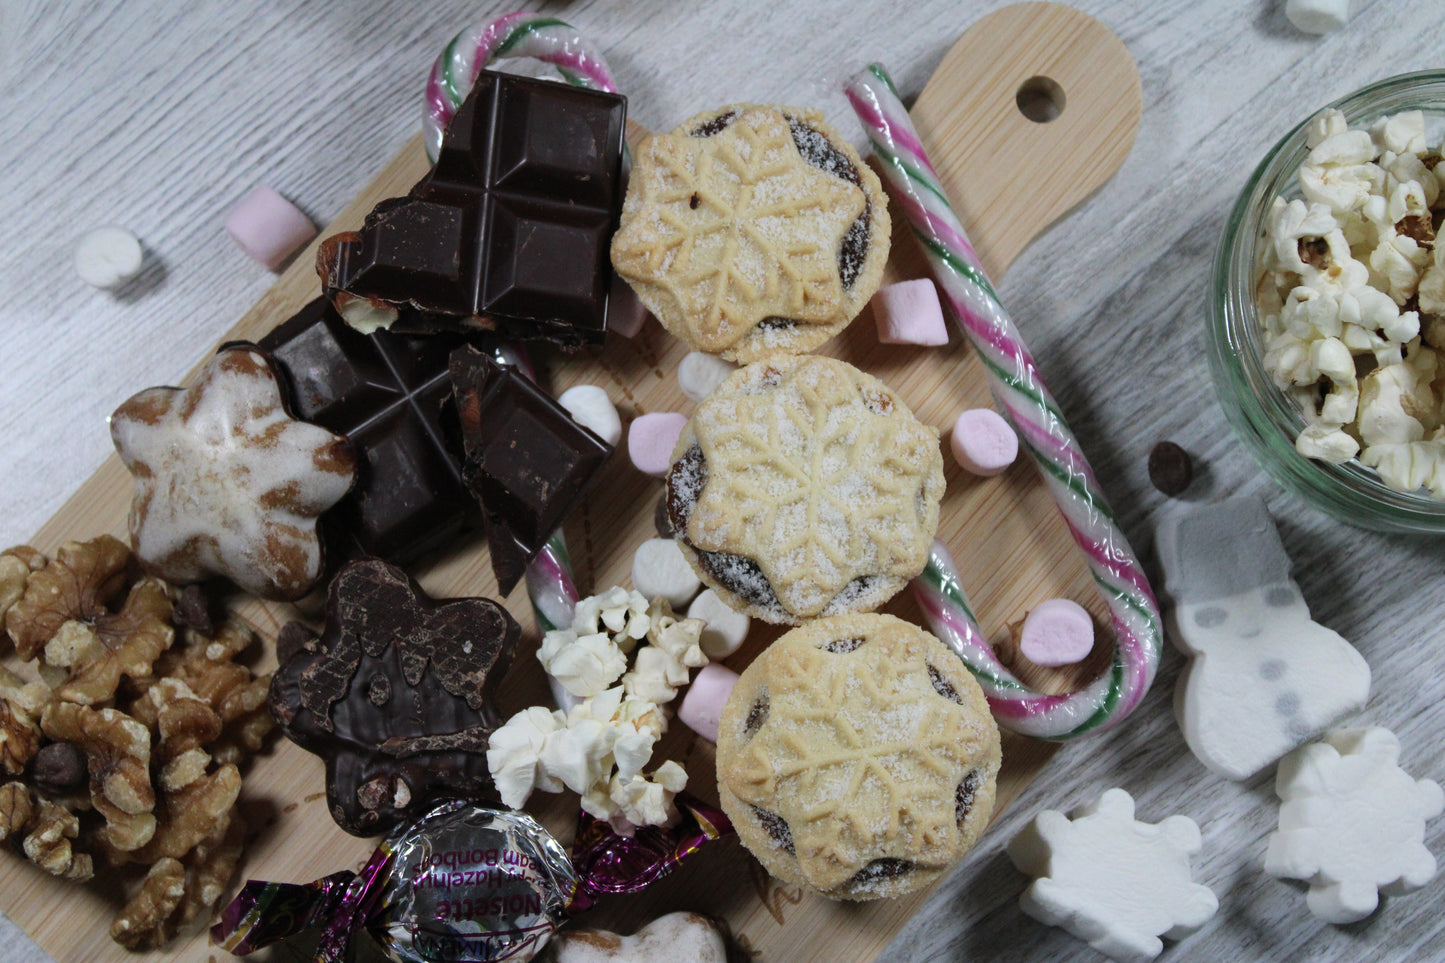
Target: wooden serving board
point(1009, 178)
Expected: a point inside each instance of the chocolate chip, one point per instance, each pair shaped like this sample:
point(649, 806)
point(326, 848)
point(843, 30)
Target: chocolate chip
point(291, 640)
point(1170, 468)
point(942, 686)
point(59, 768)
point(193, 611)
point(776, 827)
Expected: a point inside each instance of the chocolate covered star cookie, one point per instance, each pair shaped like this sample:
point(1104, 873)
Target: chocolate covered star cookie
point(395, 695)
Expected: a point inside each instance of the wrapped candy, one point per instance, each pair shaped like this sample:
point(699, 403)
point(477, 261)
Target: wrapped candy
point(465, 882)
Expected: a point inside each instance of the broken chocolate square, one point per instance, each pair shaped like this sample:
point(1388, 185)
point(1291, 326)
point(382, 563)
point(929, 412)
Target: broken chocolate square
point(390, 394)
point(527, 461)
point(510, 230)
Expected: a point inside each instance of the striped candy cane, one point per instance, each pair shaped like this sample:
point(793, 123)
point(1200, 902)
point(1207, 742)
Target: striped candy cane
point(520, 34)
point(1019, 392)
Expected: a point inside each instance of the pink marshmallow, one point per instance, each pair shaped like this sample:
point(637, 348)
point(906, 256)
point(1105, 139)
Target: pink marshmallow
point(702, 706)
point(983, 442)
point(625, 312)
point(650, 440)
point(1057, 632)
point(268, 227)
point(909, 313)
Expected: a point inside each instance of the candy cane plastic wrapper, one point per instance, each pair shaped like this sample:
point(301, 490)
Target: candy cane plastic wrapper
point(1020, 394)
point(522, 34)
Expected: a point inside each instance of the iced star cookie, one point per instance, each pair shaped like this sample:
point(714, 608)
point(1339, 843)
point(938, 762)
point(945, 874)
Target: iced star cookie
point(804, 487)
point(226, 482)
point(857, 756)
point(751, 230)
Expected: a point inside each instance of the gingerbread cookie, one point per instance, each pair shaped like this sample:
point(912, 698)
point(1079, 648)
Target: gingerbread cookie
point(752, 230)
point(396, 695)
point(857, 756)
point(804, 487)
point(226, 482)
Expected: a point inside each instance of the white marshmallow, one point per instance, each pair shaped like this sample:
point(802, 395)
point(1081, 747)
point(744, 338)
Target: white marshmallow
point(660, 570)
point(726, 627)
point(1352, 823)
point(699, 373)
point(1262, 676)
point(108, 256)
point(590, 407)
point(1317, 16)
point(1111, 880)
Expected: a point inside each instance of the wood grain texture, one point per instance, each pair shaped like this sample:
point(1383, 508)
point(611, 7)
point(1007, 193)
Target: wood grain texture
point(1014, 549)
point(159, 116)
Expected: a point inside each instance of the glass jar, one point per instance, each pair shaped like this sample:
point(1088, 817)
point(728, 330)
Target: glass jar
point(1261, 414)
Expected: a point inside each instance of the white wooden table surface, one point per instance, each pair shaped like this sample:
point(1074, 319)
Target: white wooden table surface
point(159, 115)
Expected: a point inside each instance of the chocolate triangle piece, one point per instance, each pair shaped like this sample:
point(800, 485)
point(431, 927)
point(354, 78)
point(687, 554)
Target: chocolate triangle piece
point(396, 695)
point(527, 461)
point(510, 230)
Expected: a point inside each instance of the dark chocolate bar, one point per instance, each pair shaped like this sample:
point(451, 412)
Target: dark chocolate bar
point(390, 394)
point(510, 230)
point(527, 461)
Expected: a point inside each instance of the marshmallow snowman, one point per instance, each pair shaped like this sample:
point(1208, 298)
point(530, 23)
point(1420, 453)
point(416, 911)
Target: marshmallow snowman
point(1263, 677)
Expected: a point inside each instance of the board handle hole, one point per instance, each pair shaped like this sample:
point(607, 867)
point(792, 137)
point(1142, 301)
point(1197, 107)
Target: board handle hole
point(1040, 99)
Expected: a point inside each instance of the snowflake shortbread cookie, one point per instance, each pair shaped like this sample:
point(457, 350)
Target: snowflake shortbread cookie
point(1352, 823)
point(804, 487)
point(1110, 880)
point(752, 230)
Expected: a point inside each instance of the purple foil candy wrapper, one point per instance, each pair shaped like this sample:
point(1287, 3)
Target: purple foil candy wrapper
point(462, 884)
point(465, 883)
point(607, 862)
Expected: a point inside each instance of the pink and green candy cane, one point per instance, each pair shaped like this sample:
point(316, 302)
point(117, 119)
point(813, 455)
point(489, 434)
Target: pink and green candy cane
point(522, 34)
point(1020, 394)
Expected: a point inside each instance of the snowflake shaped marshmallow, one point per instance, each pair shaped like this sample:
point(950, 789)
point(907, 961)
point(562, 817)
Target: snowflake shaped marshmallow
point(1352, 823)
point(1115, 882)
